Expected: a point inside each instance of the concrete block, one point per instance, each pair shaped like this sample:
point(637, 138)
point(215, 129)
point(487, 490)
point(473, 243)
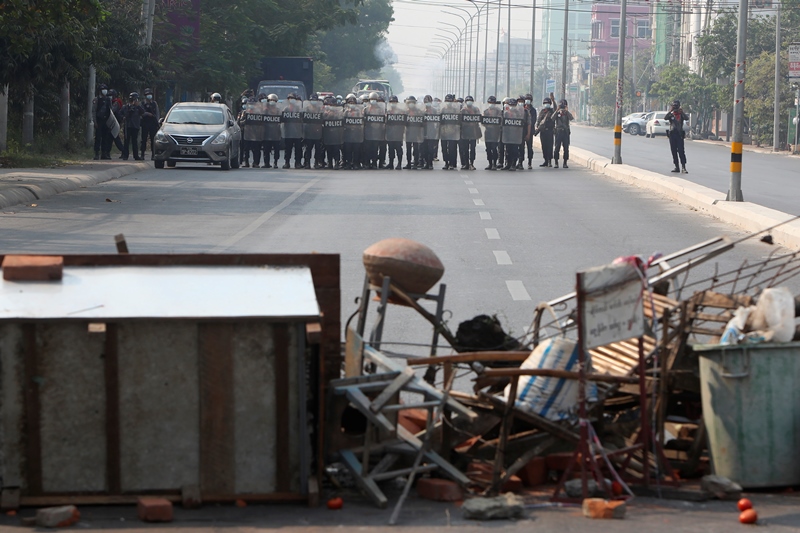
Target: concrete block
point(154, 510)
point(599, 508)
point(32, 268)
point(63, 516)
point(440, 490)
point(502, 507)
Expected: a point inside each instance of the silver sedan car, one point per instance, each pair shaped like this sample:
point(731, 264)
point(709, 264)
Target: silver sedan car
point(198, 132)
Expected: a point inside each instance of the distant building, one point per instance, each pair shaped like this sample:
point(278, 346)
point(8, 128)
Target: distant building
point(520, 66)
point(605, 32)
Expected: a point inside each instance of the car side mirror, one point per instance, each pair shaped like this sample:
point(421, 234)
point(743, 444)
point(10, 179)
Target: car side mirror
point(230, 123)
point(161, 122)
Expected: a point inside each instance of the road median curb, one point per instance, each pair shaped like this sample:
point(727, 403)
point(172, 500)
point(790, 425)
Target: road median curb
point(33, 188)
point(745, 215)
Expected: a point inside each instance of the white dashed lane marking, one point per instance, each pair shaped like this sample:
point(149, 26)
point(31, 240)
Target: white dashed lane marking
point(473, 191)
point(502, 257)
point(467, 182)
point(478, 202)
point(517, 290)
point(492, 233)
point(485, 215)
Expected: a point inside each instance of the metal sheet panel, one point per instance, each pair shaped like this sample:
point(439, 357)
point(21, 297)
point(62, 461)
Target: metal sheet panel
point(105, 293)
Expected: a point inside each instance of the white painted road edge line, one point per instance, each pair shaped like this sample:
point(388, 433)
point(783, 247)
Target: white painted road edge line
point(502, 257)
point(517, 290)
point(492, 233)
point(478, 202)
point(485, 215)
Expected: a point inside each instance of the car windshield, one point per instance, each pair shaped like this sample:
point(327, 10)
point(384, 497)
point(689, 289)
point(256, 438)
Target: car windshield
point(281, 90)
point(196, 115)
point(369, 86)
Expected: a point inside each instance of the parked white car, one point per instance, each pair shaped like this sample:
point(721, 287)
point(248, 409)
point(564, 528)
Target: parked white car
point(657, 125)
point(635, 123)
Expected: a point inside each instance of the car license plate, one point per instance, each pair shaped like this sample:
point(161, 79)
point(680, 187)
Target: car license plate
point(188, 150)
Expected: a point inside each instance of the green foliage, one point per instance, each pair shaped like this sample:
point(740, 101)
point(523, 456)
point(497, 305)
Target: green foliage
point(603, 99)
point(677, 82)
point(760, 96)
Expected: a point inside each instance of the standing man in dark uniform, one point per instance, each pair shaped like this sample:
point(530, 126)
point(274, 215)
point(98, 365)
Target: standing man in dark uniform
point(100, 113)
point(562, 120)
point(132, 117)
point(415, 134)
point(292, 120)
point(396, 118)
point(676, 134)
point(150, 120)
point(470, 133)
point(530, 114)
point(450, 131)
point(493, 127)
point(272, 131)
point(432, 119)
point(545, 126)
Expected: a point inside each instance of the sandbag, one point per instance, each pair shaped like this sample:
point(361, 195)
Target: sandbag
point(772, 319)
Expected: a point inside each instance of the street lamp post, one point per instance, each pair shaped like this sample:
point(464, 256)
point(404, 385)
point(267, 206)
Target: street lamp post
point(508, 52)
point(533, 41)
point(776, 122)
point(623, 31)
point(735, 189)
point(564, 52)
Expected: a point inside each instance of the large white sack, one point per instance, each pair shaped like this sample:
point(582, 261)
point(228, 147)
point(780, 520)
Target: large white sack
point(772, 319)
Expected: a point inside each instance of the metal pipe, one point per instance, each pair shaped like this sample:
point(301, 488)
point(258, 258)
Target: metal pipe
point(735, 188)
point(776, 121)
point(623, 31)
point(497, 49)
point(485, 51)
point(564, 51)
point(533, 41)
point(508, 52)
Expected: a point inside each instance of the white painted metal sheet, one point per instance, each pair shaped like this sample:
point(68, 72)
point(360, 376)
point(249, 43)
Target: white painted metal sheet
point(113, 292)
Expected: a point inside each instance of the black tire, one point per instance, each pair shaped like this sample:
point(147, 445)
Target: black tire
point(226, 165)
point(235, 161)
point(172, 164)
point(159, 164)
point(634, 129)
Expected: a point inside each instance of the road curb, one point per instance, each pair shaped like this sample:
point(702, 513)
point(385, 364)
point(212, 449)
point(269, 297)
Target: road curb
point(46, 186)
point(745, 215)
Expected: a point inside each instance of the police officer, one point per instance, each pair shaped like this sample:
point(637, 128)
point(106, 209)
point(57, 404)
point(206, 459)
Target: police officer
point(150, 120)
point(530, 116)
point(513, 125)
point(353, 132)
point(292, 119)
point(415, 134)
point(101, 111)
point(544, 127)
point(272, 131)
point(431, 119)
point(676, 117)
point(254, 128)
point(450, 131)
point(396, 118)
point(216, 98)
point(470, 133)
point(132, 113)
point(332, 131)
point(493, 126)
point(374, 130)
point(312, 131)
point(116, 109)
point(562, 120)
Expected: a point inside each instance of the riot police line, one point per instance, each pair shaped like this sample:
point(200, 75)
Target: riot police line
point(370, 133)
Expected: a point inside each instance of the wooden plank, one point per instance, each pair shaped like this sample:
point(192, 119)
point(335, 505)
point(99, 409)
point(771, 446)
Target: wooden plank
point(553, 373)
point(394, 387)
point(468, 357)
point(113, 440)
point(217, 409)
point(313, 333)
point(33, 434)
point(354, 355)
point(282, 447)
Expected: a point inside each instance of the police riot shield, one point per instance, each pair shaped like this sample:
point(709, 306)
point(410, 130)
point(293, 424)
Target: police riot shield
point(312, 120)
point(375, 122)
point(513, 122)
point(396, 118)
point(272, 118)
point(415, 127)
point(332, 125)
point(450, 125)
point(292, 118)
point(354, 123)
point(254, 121)
point(471, 122)
point(492, 120)
point(432, 119)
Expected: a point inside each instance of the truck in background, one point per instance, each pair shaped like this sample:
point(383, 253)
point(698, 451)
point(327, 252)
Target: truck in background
point(284, 75)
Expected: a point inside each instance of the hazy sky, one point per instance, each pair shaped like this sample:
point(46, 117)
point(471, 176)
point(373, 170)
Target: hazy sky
point(413, 34)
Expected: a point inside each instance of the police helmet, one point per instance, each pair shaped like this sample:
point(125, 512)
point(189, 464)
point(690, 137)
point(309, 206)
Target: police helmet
point(373, 96)
point(547, 101)
point(314, 96)
point(148, 91)
point(291, 96)
point(272, 97)
point(262, 96)
point(676, 103)
point(134, 96)
point(102, 86)
point(411, 98)
point(351, 99)
point(528, 96)
point(491, 100)
point(393, 99)
point(339, 97)
point(512, 101)
point(521, 98)
point(563, 103)
point(428, 99)
point(112, 93)
point(216, 97)
point(460, 100)
point(469, 99)
point(350, 95)
point(449, 98)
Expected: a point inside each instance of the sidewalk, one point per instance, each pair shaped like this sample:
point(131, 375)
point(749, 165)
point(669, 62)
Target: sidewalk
point(28, 185)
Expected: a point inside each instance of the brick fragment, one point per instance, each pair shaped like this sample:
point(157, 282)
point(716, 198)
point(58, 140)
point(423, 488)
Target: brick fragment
point(413, 420)
point(599, 508)
point(63, 516)
point(154, 510)
point(484, 472)
point(440, 490)
point(32, 268)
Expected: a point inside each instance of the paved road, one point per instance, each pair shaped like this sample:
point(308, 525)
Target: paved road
point(768, 179)
point(507, 240)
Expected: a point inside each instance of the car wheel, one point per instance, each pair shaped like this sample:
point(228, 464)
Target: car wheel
point(171, 164)
point(235, 161)
point(226, 165)
point(633, 129)
point(159, 164)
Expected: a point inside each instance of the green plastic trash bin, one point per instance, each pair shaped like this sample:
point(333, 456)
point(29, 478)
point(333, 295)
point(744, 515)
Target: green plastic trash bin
point(751, 408)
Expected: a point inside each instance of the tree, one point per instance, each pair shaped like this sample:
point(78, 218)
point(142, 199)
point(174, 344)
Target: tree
point(760, 96)
point(678, 82)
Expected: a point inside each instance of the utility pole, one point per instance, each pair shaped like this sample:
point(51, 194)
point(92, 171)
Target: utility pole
point(4, 118)
point(89, 117)
point(497, 49)
point(735, 189)
point(776, 120)
point(485, 50)
point(564, 52)
point(508, 52)
point(623, 31)
point(533, 41)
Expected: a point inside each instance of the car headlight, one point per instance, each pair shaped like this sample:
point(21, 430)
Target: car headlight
point(161, 137)
point(222, 138)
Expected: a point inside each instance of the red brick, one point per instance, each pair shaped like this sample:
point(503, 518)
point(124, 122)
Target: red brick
point(32, 268)
point(559, 461)
point(534, 473)
point(413, 420)
point(63, 516)
point(440, 490)
point(484, 472)
point(600, 508)
point(154, 510)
